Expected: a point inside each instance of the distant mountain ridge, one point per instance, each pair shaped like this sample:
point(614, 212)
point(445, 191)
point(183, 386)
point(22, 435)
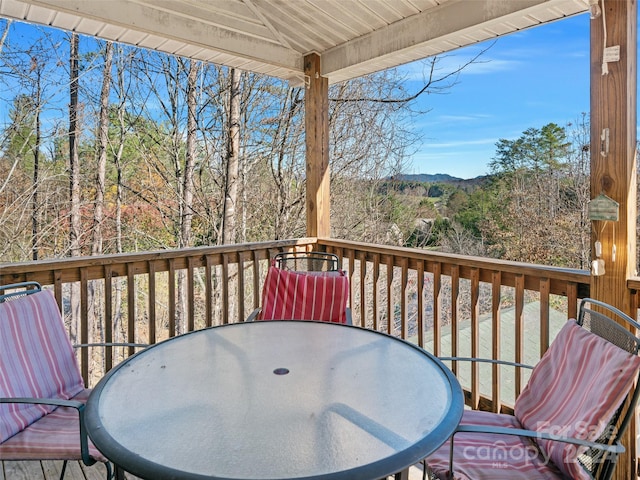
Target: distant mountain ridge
point(439, 178)
point(428, 177)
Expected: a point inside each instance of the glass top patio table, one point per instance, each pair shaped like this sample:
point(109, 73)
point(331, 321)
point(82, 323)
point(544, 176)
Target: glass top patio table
point(274, 400)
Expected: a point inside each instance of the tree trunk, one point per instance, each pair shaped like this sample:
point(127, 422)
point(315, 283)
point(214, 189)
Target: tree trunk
point(35, 227)
point(74, 162)
point(74, 184)
point(95, 292)
point(187, 181)
point(232, 160)
point(103, 142)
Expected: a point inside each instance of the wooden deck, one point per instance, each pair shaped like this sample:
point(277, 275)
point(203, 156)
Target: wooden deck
point(50, 470)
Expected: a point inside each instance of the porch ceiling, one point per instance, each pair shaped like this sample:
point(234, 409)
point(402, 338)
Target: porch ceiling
point(353, 37)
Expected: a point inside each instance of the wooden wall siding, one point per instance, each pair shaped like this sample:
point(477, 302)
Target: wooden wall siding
point(441, 302)
point(614, 166)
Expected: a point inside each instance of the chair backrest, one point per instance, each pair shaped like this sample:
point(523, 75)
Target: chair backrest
point(597, 317)
point(307, 261)
point(579, 388)
point(319, 293)
point(36, 359)
point(8, 292)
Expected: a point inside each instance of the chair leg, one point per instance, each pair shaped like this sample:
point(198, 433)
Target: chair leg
point(403, 475)
point(107, 465)
point(119, 473)
point(64, 468)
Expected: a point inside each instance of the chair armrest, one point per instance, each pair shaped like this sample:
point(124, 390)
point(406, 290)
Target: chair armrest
point(253, 315)
point(616, 448)
point(59, 402)
point(486, 360)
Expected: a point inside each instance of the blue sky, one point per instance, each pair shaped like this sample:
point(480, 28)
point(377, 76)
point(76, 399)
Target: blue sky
point(526, 79)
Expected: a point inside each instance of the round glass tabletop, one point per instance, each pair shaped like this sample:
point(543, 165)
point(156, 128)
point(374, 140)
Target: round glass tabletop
point(274, 400)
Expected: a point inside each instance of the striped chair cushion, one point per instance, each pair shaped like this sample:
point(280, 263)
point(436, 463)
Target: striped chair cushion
point(289, 295)
point(54, 437)
point(36, 359)
point(574, 390)
point(491, 456)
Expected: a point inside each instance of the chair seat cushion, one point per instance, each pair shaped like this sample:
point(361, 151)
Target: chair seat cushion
point(491, 456)
point(290, 295)
point(36, 359)
point(574, 391)
point(53, 437)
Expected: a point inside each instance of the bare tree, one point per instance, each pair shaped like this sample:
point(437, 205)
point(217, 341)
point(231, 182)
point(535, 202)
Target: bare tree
point(103, 145)
point(75, 226)
point(232, 160)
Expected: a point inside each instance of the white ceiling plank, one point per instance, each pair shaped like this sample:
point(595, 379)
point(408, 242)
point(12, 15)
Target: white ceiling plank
point(453, 18)
point(145, 18)
point(353, 37)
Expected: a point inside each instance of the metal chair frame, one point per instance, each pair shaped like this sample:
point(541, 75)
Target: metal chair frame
point(17, 290)
point(305, 262)
point(601, 457)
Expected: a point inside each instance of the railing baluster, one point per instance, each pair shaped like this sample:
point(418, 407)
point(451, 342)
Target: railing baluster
point(376, 277)
point(190, 294)
point(57, 287)
point(496, 296)
point(390, 309)
point(475, 337)
point(404, 280)
point(363, 298)
point(172, 298)
point(108, 316)
point(544, 315)
point(84, 324)
point(131, 307)
point(208, 290)
point(151, 301)
point(225, 289)
point(352, 272)
point(455, 291)
point(437, 284)
point(420, 298)
point(519, 330)
point(240, 297)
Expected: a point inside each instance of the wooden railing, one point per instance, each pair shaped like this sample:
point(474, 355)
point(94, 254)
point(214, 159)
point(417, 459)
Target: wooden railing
point(462, 306)
point(451, 305)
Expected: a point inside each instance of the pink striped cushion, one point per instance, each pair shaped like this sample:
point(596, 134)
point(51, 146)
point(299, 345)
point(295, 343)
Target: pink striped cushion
point(54, 437)
point(574, 390)
point(36, 359)
point(289, 295)
point(491, 456)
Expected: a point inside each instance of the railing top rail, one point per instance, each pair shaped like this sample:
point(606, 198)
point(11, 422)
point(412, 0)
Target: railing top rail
point(122, 258)
point(560, 273)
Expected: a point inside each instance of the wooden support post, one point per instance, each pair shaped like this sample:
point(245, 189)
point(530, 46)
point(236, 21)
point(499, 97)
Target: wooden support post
point(613, 164)
point(317, 139)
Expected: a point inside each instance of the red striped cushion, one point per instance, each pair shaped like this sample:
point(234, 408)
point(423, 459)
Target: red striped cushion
point(54, 437)
point(491, 456)
point(36, 359)
point(574, 390)
point(289, 295)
